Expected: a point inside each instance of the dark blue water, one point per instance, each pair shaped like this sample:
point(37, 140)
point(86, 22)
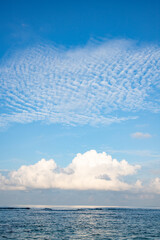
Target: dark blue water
point(74, 223)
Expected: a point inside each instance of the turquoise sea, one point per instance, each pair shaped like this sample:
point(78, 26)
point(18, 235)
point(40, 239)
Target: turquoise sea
point(79, 223)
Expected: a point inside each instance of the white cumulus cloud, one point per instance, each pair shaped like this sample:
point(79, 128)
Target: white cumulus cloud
point(155, 185)
point(90, 170)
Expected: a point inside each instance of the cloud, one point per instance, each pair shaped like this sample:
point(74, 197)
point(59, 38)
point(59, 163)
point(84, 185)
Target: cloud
point(155, 185)
point(142, 153)
point(140, 135)
point(90, 170)
point(85, 85)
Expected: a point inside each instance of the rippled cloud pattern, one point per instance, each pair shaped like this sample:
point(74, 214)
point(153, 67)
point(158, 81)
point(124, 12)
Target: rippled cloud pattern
point(99, 83)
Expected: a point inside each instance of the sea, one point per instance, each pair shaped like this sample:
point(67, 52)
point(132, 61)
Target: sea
point(50, 222)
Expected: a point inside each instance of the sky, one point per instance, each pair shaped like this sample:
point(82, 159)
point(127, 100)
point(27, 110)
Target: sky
point(80, 103)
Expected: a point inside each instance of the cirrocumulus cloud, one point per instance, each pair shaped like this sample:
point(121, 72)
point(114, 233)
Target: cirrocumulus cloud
point(85, 85)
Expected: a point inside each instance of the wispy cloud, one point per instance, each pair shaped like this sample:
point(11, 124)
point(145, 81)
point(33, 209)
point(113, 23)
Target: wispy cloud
point(140, 135)
point(80, 86)
point(142, 153)
point(90, 170)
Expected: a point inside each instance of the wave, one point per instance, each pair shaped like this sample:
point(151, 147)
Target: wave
point(14, 208)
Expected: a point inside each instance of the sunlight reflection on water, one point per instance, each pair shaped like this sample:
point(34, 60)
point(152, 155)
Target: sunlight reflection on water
point(79, 222)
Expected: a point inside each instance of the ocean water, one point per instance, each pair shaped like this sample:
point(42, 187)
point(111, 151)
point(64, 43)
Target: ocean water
point(79, 223)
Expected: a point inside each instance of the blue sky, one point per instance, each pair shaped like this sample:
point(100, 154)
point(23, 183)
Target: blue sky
point(80, 77)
